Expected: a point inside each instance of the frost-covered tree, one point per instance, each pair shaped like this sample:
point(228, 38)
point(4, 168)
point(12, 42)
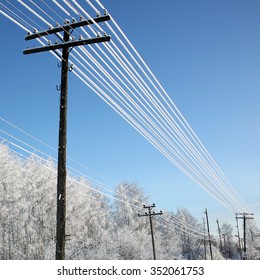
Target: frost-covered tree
point(169, 247)
point(189, 242)
point(28, 212)
point(229, 250)
point(133, 235)
point(253, 242)
point(8, 200)
point(89, 222)
point(26, 206)
point(96, 227)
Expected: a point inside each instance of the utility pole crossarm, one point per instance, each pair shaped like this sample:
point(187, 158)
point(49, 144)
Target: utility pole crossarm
point(72, 25)
point(246, 214)
point(152, 214)
point(143, 215)
point(68, 44)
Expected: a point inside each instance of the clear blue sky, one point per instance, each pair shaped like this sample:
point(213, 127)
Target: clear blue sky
point(204, 53)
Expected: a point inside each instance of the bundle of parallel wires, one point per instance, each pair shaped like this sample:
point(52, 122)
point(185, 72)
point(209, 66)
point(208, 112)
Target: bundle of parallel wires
point(117, 73)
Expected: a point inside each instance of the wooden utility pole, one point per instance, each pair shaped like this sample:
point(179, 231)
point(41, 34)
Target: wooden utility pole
point(220, 239)
point(225, 245)
point(67, 44)
point(210, 248)
point(150, 214)
point(244, 216)
point(239, 239)
point(204, 239)
point(62, 150)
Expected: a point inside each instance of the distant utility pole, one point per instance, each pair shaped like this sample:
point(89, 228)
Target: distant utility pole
point(210, 248)
point(244, 216)
point(150, 214)
point(220, 240)
point(204, 239)
point(225, 245)
point(66, 45)
point(239, 239)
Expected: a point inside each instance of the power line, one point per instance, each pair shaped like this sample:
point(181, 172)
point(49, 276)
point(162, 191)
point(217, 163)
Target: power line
point(182, 226)
point(188, 229)
point(52, 149)
point(153, 116)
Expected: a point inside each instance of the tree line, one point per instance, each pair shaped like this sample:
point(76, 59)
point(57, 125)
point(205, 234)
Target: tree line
point(97, 227)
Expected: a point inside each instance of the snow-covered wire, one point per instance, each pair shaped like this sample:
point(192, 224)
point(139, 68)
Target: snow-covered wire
point(155, 117)
point(45, 158)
